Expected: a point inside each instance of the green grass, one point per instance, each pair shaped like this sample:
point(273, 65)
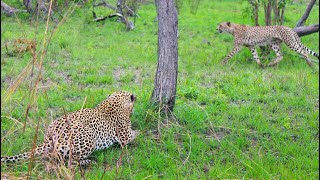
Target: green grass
point(232, 121)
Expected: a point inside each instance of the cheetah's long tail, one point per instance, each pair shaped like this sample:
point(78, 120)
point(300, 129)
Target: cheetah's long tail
point(311, 52)
point(26, 155)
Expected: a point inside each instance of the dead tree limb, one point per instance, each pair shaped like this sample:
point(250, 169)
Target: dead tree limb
point(8, 10)
point(306, 14)
point(104, 3)
point(107, 17)
point(306, 30)
point(121, 5)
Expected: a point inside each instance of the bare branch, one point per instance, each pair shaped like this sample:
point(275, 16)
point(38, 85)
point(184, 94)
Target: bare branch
point(306, 30)
point(104, 3)
point(306, 14)
point(8, 10)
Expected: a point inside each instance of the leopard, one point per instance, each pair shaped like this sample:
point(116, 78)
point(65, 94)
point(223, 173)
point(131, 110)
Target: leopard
point(256, 36)
point(78, 134)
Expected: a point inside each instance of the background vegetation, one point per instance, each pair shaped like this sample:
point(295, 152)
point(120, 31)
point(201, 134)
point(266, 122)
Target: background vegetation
point(232, 121)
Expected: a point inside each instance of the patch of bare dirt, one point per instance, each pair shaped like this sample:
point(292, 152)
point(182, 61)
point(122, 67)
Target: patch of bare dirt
point(217, 133)
point(120, 72)
point(117, 73)
point(67, 77)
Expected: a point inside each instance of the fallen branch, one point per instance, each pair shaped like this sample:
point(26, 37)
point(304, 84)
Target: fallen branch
point(119, 13)
point(129, 24)
point(8, 10)
point(107, 17)
point(306, 30)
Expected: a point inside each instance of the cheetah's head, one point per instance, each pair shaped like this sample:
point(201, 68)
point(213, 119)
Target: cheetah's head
point(227, 27)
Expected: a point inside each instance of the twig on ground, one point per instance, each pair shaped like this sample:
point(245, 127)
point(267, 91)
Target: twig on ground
point(184, 162)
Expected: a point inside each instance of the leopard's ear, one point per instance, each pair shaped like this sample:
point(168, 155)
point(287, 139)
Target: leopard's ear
point(229, 24)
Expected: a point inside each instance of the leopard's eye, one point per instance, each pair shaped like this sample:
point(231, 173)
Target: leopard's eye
point(133, 97)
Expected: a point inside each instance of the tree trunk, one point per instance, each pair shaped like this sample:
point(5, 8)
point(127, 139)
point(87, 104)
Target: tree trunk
point(41, 6)
point(282, 15)
point(268, 10)
point(167, 70)
point(306, 14)
point(255, 6)
point(28, 5)
point(306, 30)
point(276, 13)
point(256, 14)
point(120, 7)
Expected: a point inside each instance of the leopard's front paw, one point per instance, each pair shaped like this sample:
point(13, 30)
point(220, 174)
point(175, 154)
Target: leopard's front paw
point(135, 133)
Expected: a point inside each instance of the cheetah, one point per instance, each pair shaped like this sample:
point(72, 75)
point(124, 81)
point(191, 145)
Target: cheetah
point(87, 130)
point(253, 36)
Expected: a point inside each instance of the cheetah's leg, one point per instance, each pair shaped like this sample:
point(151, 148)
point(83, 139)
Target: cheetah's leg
point(231, 54)
point(299, 48)
point(275, 45)
point(255, 55)
point(306, 57)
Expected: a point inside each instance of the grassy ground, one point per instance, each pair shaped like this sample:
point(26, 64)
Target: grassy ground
point(232, 121)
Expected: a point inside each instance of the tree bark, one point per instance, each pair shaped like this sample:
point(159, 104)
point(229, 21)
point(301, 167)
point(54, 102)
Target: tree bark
point(120, 7)
point(255, 6)
point(8, 10)
point(306, 30)
point(267, 12)
point(28, 5)
point(282, 15)
point(41, 6)
point(306, 14)
point(256, 14)
point(276, 13)
point(164, 91)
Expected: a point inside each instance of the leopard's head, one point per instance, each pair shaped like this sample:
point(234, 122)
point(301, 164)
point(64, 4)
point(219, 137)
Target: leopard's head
point(120, 103)
point(226, 27)
point(118, 107)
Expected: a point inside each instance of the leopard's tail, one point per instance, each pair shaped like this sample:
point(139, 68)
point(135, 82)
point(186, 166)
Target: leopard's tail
point(8, 159)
